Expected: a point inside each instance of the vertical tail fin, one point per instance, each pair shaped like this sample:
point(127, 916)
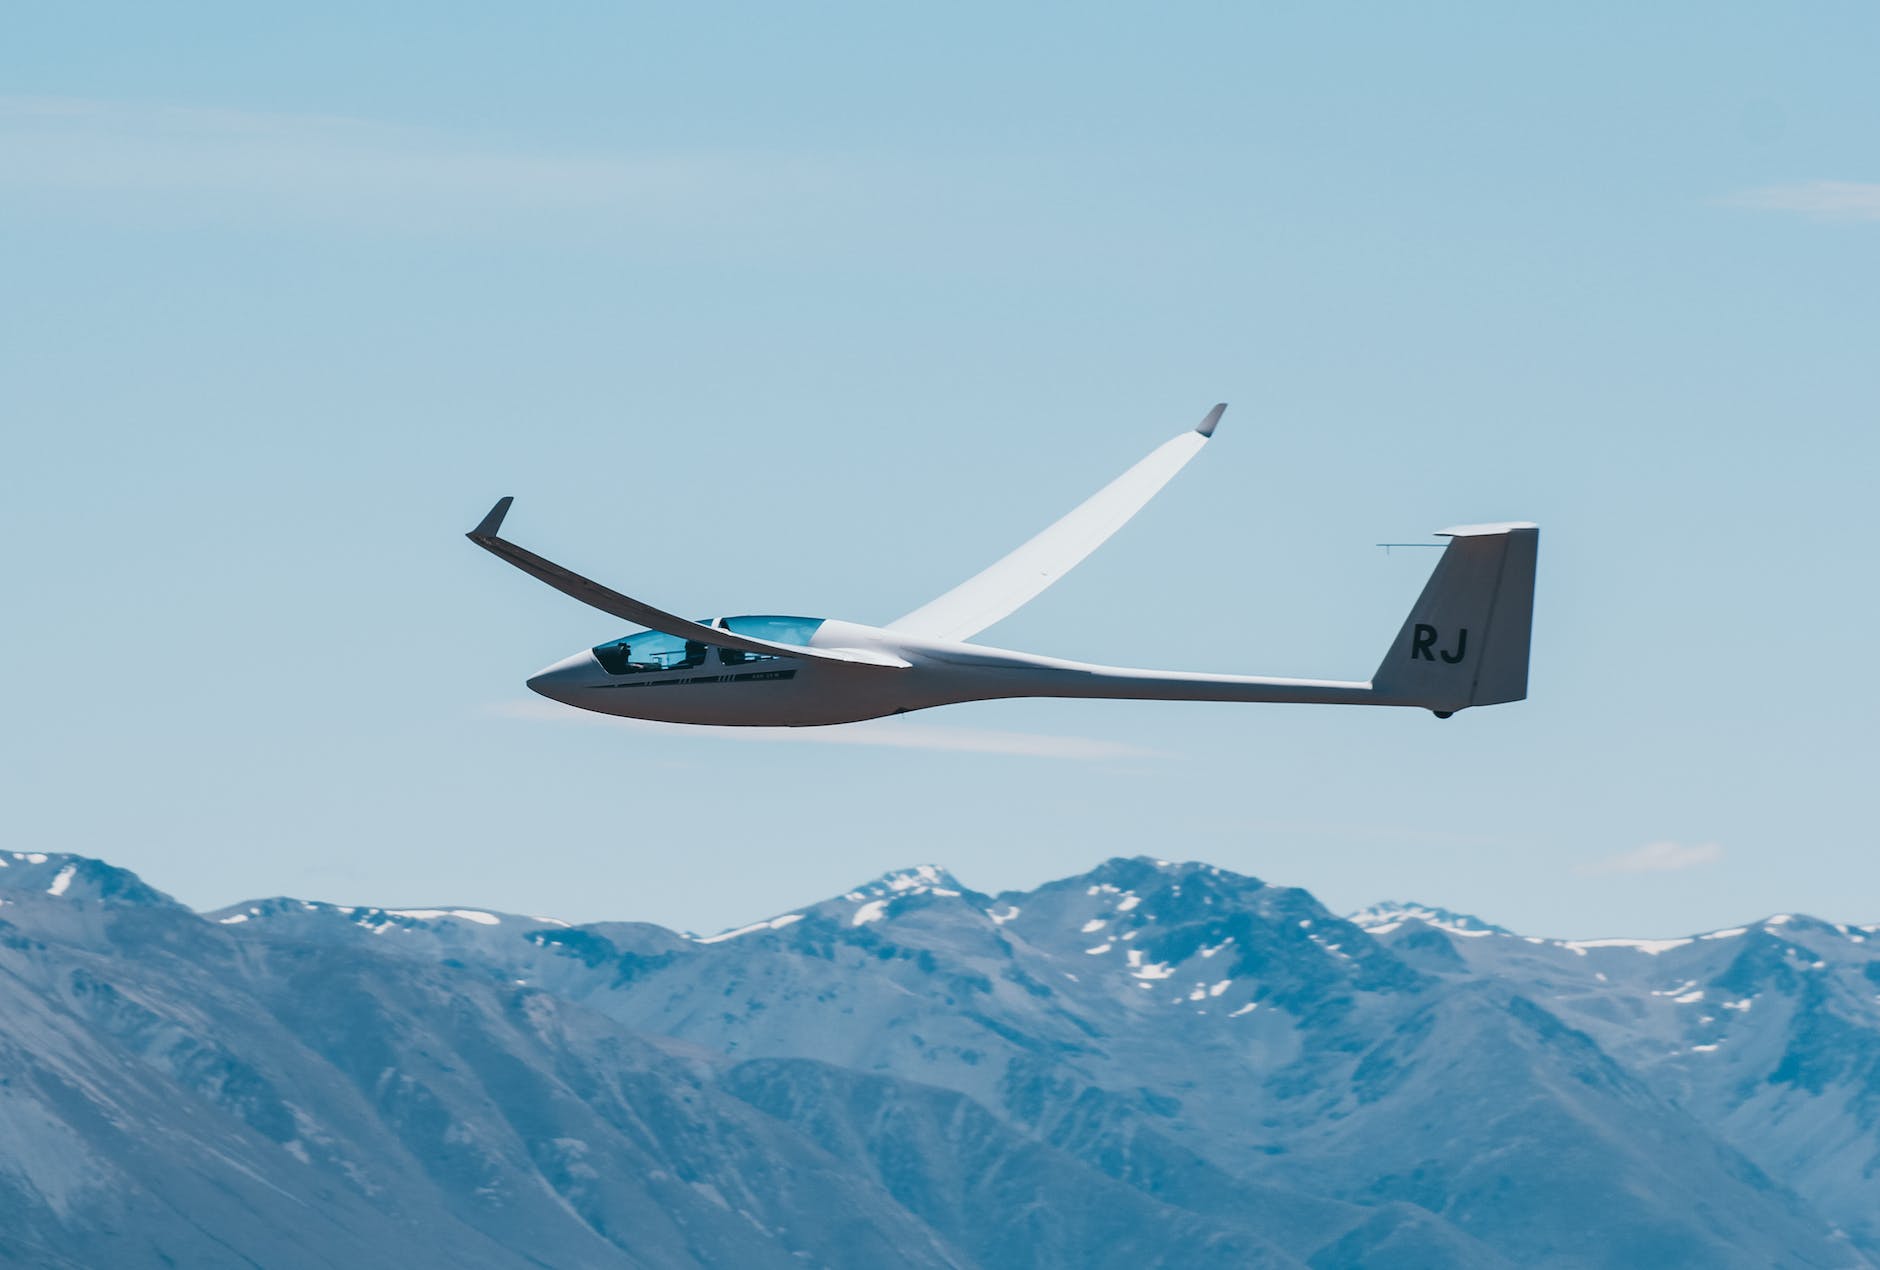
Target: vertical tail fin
point(1465, 642)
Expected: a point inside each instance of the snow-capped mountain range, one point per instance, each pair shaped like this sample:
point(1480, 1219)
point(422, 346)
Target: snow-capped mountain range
point(1152, 1063)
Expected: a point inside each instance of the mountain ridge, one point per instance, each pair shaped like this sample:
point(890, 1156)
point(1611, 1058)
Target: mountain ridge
point(1243, 1076)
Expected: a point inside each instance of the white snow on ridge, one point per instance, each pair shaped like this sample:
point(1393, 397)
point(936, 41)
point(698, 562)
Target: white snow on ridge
point(432, 914)
point(1094, 924)
point(1337, 950)
point(63, 880)
point(1000, 919)
point(873, 911)
point(1382, 919)
point(230, 921)
point(922, 879)
point(1651, 947)
point(775, 923)
point(919, 875)
point(1129, 901)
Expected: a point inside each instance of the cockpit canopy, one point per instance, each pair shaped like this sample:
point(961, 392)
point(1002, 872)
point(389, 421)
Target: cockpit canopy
point(646, 651)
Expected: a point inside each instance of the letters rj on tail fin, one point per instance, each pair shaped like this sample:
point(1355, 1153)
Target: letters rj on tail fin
point(1465, 642)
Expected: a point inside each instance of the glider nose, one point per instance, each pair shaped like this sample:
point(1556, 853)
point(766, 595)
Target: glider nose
point(567, 678)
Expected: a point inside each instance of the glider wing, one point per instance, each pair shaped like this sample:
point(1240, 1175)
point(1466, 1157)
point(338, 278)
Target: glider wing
point(1007, 586)
point(625, 607)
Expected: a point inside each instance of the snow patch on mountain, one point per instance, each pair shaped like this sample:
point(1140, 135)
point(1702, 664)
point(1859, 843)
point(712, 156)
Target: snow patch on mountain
point(1650, 947)
point(1384, 917)
point(435, 914)
point(775, 923)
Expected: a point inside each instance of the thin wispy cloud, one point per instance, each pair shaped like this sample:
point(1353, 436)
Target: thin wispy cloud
point(1821, 200)
point(900, 734)
point(333, 166)
point(1657, 857)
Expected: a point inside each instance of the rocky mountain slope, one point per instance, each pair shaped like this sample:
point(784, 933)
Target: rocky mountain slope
point(1149, 1064)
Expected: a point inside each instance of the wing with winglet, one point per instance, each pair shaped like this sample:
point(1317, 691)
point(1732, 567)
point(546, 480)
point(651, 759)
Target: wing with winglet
point(1007, 586)
point(625, 607)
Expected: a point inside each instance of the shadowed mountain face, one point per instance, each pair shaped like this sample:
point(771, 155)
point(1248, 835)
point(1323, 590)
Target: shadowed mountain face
point(1150, 1064)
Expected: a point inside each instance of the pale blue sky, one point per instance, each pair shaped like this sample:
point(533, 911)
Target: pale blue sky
point(784, 310)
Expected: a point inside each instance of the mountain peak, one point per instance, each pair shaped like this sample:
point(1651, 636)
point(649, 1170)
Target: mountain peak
point(872, 900)
point(1147, 879)
point(869, 902)
point(1387, 915)
point(915, 880)
point(65, 876)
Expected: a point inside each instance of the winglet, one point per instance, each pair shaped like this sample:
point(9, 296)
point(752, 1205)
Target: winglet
point(492, 523)
point(1206, 426)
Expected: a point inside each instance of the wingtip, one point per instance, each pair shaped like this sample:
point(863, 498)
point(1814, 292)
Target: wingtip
point(1206, 426)
point(491, 524)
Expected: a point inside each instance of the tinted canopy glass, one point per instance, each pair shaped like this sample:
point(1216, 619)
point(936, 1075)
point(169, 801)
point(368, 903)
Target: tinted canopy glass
point(646, 651)
point(778, 630)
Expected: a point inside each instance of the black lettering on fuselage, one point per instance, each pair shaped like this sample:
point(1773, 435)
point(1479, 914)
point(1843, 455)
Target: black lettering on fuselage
point(1462, 643)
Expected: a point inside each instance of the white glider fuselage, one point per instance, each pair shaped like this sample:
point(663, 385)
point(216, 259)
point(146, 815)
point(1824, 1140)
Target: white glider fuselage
point(915, 674)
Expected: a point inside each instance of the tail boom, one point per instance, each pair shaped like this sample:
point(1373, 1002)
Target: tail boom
point(1465, 643)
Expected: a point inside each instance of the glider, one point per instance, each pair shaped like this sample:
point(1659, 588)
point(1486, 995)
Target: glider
point(1465, 642)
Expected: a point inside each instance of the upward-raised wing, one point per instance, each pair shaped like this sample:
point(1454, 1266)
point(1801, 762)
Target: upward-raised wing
point(1007, 586)
point(625, 607)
